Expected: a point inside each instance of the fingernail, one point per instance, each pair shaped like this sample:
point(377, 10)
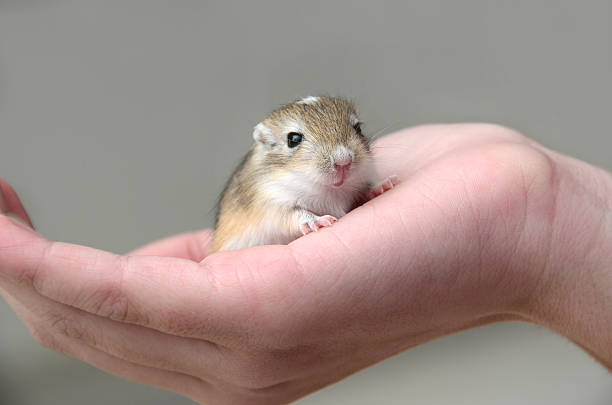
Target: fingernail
point(18, 220)
point(3, 206)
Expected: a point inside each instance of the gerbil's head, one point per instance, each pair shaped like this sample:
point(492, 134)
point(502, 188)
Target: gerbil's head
point(316, 137)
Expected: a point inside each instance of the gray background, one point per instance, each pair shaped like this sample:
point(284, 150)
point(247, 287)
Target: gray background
point(120, 121)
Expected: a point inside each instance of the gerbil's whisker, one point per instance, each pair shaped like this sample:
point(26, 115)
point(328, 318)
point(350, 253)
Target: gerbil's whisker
point(390, 147)
point(379, 132)
point(285, 184)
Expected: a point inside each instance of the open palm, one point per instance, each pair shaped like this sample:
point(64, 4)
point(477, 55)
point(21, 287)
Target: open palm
point(454, 246)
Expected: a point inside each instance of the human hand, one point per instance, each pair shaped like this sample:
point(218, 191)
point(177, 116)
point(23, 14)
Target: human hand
point(466, 239)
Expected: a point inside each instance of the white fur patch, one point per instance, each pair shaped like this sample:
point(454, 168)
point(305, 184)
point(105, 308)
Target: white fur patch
point(260, 132)
point(294, 125)
point(309, 100)
point(291, 189)
point(354, 119)
point(341, 153)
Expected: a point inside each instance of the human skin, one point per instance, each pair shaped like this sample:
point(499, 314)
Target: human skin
point(485, 226)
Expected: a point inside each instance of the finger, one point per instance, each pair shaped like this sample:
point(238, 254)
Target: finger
point(183, 384)
point(10, 202)
point(57, 331)
point(175, 381)
point(143, 346)
point(49, 321)
point(193, 246)
point(171, 295)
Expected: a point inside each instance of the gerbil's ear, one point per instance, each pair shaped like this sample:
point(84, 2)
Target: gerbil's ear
point(263, 135)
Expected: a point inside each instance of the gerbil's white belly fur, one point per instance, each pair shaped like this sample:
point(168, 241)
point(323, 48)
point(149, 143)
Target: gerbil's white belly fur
point(297, 190)
point(279, 224)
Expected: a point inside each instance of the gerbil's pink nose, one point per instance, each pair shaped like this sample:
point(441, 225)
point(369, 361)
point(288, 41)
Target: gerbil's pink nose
point(343, 163)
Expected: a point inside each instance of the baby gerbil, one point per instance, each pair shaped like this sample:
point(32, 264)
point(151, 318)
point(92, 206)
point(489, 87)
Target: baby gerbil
point(310, 165)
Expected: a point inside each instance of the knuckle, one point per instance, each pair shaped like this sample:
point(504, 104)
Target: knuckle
point(489, 131)
point(500, 131)
point(44, 338)
point(27, 274)
point(522, 169)
point(112, 303)
point(47, 336)
point(509, 171)
point(111, 300)
point(480, 131)
point(67, 328)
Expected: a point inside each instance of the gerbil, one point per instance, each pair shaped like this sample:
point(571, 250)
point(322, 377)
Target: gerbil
point(310, 165)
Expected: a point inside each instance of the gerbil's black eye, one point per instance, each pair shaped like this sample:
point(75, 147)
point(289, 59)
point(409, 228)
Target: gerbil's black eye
point(294, 139)
point(357, 128)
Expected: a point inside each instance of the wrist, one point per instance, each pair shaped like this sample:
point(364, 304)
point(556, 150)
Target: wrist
point(572, 293)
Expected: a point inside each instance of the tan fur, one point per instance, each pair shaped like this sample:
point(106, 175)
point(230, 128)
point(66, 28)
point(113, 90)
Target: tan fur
point(277, 188)
point(231, 225)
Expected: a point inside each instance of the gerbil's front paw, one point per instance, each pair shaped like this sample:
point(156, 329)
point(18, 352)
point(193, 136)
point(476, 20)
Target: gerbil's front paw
point(385, 185)
point(313, 224)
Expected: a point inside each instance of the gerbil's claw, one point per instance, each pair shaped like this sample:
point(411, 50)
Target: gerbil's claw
point(316, 223)
point(386, 185)
point(325, 220)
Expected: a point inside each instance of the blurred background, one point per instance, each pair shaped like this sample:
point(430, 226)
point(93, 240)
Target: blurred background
point(121, 120)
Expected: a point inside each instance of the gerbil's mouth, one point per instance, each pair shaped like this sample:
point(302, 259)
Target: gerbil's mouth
point(341, 174)
point(342, 167)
